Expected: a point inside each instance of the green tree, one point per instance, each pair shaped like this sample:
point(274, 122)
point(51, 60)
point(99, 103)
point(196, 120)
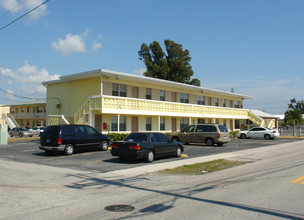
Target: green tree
point(294, 104)
point(173, 65)
point(293, 117)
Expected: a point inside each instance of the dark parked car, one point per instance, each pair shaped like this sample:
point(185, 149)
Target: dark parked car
point(67, 138)
point(21, 132)
point(147, 146)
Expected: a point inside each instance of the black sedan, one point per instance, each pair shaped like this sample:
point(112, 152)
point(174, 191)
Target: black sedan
point(146, 145)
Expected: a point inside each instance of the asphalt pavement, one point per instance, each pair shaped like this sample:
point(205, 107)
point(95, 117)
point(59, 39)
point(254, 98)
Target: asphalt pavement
point(264, 189)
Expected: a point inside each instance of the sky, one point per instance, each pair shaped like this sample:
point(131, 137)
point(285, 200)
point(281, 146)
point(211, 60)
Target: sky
point(255, 47)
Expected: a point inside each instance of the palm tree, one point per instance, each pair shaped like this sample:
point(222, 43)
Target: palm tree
point(293, 118)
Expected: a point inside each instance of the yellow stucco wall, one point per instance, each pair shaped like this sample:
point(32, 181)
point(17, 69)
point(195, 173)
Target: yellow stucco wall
point(169, 93)
point(72, 95)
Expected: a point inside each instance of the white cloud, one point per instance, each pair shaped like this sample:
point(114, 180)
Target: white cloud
point(71, 44)
point(96, 46)
point(139, 71)
point(26, 80)
point(18, 7)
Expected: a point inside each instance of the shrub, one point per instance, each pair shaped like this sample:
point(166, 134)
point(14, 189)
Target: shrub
point(233, 134)
point(117, 136)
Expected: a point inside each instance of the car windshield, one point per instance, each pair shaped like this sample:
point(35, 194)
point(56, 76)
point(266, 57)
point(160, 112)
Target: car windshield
point(137, 137)
point(23, 129)
point(223, 128)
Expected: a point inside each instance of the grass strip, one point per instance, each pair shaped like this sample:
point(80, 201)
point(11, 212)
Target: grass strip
point(203, 168)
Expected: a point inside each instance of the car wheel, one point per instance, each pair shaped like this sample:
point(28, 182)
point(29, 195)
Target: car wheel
point(150, 156)
point(220, 144)
point(175, 139)
point(11, 135)
point(267, 137)
point(69, 149)
point(20, 135)
point(209, 142)
point(243, 136)
point(104, 145)
point(178, 152)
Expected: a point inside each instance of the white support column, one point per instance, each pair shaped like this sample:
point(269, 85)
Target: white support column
point(190, 121)
point(118, 119)
point(233, 124)
point(158, 123)
point(92, 119)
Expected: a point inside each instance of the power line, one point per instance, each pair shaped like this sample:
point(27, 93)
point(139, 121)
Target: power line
point(24, 15)
point(19, 96)
point(12, 9)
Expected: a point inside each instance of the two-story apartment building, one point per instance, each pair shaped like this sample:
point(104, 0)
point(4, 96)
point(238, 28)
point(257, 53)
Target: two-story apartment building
point(29, 114)
point(120, 102)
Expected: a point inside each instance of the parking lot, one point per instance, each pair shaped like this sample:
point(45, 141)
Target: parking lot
point(103, 161)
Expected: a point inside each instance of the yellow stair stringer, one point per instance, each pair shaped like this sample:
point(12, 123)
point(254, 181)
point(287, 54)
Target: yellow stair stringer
point(256, 119)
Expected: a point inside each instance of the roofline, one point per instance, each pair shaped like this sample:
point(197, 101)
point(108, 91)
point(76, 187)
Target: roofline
point(114, 74)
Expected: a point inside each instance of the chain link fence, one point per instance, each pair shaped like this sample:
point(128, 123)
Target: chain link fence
point(288, 131)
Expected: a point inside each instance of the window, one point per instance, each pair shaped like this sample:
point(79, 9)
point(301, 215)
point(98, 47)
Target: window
point(80, 131)
point(184, 97)
point(91, 131)
point(201, 121)
point(122, 123)
point(236, 104)
point(224, 102)
point(200, 100)
point(22, 109)
point(148, 93)
point(216, 102)
point(119, 90)
point(68, 131)
point(162, 123)
point(114, 123)
point(184, 122)
point(237, 124)
point(162, 95)
point(17, 110)
point(189, 128)
point(35, 109)
point(148, 124)
point(28, 109)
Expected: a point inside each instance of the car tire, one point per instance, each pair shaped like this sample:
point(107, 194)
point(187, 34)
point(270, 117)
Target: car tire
point(20, 135)
point(220, 144)
point(209, 142)
point(69, 149)
point(267, 137)
point(104, 145)
point(175, 139)
point(178, 152)
point(150, 156)
point(243, 136)
point(11, 135)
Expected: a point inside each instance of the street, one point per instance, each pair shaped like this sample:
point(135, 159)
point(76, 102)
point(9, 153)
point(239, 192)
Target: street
point(269, 187)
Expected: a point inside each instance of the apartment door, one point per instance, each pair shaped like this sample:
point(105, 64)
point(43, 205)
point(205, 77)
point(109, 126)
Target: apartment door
point(134, 125)
point(98, 122)
point(173, 126)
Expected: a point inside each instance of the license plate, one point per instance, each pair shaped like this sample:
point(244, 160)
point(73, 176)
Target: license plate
point(48, 141)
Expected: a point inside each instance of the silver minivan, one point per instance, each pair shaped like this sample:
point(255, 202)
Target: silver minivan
point(203, 133)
